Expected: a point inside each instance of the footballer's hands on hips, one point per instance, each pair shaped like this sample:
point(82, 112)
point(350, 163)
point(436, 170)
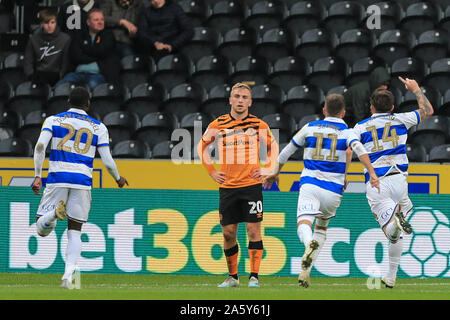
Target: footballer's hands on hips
point(410, 84)
point(218, 176)
point(375, 181)
point(121, 182)
point(37, 185)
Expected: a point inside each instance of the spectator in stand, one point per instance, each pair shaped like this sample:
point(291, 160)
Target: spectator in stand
point(122, 17)
point(46, 58)
point(93, 54)
point(357, 96)
point(163, 28)
point(73, 14)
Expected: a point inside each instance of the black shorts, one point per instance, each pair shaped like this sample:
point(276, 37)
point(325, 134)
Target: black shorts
point(240, 204)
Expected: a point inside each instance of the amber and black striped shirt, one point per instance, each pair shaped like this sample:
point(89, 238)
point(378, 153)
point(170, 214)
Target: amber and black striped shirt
point(238, 143)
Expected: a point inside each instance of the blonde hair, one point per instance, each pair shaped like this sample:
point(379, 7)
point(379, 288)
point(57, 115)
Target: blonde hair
point(241, 85)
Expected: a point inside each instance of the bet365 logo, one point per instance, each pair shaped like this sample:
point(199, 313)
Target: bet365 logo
point(426, 251)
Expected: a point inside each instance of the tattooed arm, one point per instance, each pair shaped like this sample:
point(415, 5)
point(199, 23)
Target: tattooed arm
point(425, 108)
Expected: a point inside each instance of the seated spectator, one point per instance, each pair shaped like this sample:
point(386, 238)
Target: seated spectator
point(93, 54)
point(122, 17)
point(357, 97)
point(163, 28)
point(46, 58)
point(73, 14)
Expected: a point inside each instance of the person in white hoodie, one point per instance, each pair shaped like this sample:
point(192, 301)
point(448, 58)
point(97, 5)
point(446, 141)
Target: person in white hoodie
point(46, 58)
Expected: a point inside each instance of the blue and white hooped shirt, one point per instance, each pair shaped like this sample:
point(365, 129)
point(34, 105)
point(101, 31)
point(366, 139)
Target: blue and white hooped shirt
point(76, 136)
point(324, 142)
point(384, 136)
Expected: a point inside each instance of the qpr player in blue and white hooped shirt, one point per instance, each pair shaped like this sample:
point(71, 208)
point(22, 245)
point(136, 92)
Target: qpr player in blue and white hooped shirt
point(384, 136)
point(74, 138)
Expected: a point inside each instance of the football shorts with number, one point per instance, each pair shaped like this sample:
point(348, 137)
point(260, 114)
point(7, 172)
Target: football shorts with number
point(78, 202)
point(240, 204)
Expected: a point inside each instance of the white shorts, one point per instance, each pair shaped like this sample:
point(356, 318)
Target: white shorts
point(318, 202)
point(78, 202)
point(393, 191)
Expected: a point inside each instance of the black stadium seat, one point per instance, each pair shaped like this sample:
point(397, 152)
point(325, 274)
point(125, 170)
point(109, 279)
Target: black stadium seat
point(283, 123)
point(183, 99)
point(431, 46)
point(273, 44)
point(302, 100)
point(237, 43)
point(440, 154)
point(360, 70)
point(393, 44)
point(171, 70)
point(195, 9)
point(210, 71)
point(416, 153)
point(156, 127)
point(314, 44)
point(439, 75)
point(251, 70)
point(135, 69)
point(326, 73)
point(121, 125)
point(303, 16)
point(224, 16)
point(204, 42)
point(420, 17)
point(309, 118)
point(216, 102)
point(266, 13)
point(288, 72)
point(29, 97)
point(133, 149)
point(6, 92)
point(344, 15)
point(163, 150)
point(196, 123)
point(266, 99)
point(430, 132)
point(106, 97)
point(145, 98)
point(12, 69)
point(31, 127)
point(15, 147)
point(354, 44)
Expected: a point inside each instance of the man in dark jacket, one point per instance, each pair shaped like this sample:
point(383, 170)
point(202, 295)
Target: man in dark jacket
point(163, 28)
point(357, 96)
point(121, 16)
point(73, 14)
point(46, 57)
point(92, 52)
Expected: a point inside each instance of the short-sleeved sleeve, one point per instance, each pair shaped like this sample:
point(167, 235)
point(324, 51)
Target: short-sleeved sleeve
point(351, 136)
point(299, 139)
point(409, 119)
point(210, 132)
point(103, 137)
point(48, 124)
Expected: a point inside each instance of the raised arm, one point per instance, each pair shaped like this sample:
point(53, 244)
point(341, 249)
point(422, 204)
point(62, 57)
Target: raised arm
point(425, 108)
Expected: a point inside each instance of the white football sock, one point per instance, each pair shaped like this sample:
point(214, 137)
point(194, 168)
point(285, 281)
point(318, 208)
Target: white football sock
point(320, 236)
point(72, 253)
point(304, 233)
point(395, 253)
point(46, 223)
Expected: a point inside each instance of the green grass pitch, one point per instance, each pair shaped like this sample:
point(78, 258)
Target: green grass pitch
point(36, 286)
